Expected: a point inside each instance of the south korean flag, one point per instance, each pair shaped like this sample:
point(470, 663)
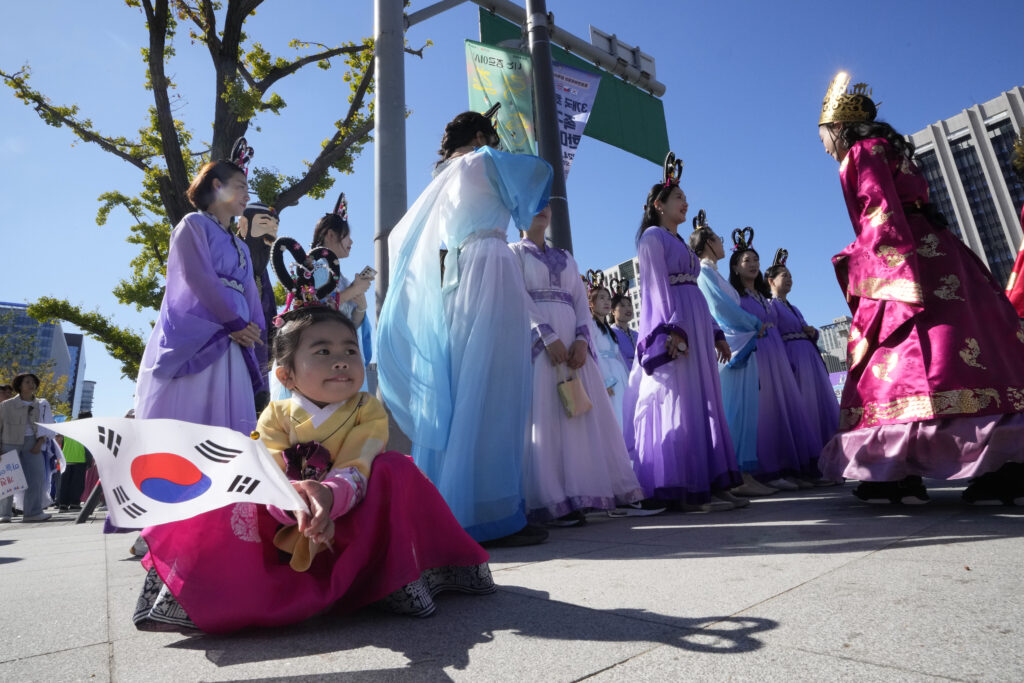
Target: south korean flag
point(159, 471)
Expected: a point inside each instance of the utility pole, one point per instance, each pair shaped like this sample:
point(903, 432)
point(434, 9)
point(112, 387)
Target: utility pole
point(548, 143)
point(389, 134)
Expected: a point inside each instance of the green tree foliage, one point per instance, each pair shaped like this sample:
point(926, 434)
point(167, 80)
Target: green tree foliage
point(167, 155)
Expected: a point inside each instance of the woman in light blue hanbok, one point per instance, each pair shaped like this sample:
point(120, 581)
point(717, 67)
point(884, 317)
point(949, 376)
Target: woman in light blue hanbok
point(606, 345)
point(739, 375)
point(454, 357)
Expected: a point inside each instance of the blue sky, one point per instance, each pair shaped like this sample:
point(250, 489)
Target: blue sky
point(744, 87)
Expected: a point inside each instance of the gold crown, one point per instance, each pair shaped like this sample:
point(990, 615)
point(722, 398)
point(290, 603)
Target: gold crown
point(847, 105)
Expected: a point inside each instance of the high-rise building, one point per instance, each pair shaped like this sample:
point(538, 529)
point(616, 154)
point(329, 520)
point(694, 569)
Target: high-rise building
point(88, 391)
point(77, 376)
point(966, 159)
point(832, 343)
point(31, 343)
point(630, 272)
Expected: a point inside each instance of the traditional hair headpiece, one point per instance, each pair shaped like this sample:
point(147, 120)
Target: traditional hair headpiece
point(302, 290)
point(743, 240)
point(241, 155)
point(341, 207)
point(700, 220)
point(673, 169)
point(595, 279)
point(490, 113)
point(780, 258)
point(617, 285)
point(847, 105)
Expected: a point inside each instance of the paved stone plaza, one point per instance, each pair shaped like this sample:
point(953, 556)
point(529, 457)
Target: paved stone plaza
point(808, 586)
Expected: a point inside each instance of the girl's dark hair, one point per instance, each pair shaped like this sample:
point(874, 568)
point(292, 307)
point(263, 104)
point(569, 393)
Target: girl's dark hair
point(773, 272)
point(864, 130)
point(462, 130)
point(760, 286)
point(200, 192)
point(601, 323)
point(286, 340)
point(20, 379)
point(330, 223)
point(660, 193)
point(699, 239)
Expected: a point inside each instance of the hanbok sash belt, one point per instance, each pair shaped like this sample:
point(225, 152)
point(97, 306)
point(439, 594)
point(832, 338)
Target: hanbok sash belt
point(930, 212)
point(554, 295)
point(793, 336)
point(451, 270)
point(682, 279)
point(233, 284)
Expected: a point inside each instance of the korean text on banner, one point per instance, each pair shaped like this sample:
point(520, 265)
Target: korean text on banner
point(575, 91)
point(12, 479)
point(159, 471)
point(506, 76)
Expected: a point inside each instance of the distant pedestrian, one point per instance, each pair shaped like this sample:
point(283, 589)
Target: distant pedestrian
point(20, 430)
point(72, 480)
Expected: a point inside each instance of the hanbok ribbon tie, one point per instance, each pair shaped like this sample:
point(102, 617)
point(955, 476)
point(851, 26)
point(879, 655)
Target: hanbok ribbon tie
point(682, 279)
point(451, 266)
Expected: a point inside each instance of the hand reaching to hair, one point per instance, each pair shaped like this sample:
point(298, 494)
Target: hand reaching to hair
point(676, 346)
point(577, 354)
point(724, 352)
point(248, 336)
point(556, 352)
point(317, 523)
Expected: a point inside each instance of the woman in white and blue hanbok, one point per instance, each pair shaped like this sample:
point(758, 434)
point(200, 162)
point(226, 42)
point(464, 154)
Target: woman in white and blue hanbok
point(454, 355)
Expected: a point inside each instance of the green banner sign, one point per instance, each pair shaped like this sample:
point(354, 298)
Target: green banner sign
point(506, 76)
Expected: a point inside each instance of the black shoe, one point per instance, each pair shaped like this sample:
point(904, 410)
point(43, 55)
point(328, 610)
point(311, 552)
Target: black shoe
point(76, 507)
point(908, 491)
point(1005, 486)
point(528, 535)
point(574, 518)
point(62, 508)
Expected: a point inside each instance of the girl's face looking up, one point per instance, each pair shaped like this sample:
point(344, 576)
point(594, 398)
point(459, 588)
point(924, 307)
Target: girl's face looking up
point(327, 366)
point(624, 312)
point(341, 246)
point(601, 303)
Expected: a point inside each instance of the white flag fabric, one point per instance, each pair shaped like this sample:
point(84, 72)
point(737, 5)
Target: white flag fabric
point(159, 471)
point(575, 92)
point(12, 479)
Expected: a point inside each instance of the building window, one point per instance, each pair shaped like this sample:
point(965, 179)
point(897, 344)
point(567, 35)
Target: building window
point(938, 193)
point(979, 197)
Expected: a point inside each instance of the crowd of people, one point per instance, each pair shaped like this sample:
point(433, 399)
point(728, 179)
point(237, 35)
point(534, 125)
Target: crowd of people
point(529, 400)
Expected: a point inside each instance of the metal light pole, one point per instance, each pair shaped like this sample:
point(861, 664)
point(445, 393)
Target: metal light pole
point(548, 143)
point(389, 141)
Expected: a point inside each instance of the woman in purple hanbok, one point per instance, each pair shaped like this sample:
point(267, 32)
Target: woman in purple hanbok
point(682, 449)
point(935, 385)
point(786, 451)
point(570, 464)
point(814, 389)
point(622, 315)
point(199, 365)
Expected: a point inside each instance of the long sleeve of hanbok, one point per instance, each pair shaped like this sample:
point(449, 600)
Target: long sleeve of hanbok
point(189, 262)
point(658, 313)
point(739, 326)
point(523, 182)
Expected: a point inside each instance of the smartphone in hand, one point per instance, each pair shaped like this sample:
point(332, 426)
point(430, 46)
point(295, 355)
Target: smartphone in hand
point(368, 273)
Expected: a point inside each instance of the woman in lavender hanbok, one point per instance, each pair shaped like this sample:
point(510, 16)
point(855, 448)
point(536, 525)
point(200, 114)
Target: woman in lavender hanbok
point(570, 464)
point(740, 384)
point(622, 314)
point(605, 344)
point(682, 449)
point(814, 389)
point(786, 450)
point(199, 365)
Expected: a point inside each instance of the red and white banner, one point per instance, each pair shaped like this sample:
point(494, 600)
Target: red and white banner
point(159, 471)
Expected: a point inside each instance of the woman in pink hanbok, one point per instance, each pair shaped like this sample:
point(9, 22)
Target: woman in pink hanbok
point(935, 385)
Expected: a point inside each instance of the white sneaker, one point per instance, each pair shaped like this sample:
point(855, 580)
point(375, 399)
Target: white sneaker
point(783, 485)
point(41, 517)
point(5, 519)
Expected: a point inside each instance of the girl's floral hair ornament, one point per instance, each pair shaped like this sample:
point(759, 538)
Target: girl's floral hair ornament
point(673, 170)
point(618, 285)
point(781, 257)
point(700, 220)
point(341, 207)
point(299, 282)
point(241, 155)
point(743, 240)
point(595, 279)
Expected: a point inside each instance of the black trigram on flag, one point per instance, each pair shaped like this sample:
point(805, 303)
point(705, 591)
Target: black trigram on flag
point(134, 510)
point(242, 484)
point(120, 495)
point(110, 439)
point(216, 452)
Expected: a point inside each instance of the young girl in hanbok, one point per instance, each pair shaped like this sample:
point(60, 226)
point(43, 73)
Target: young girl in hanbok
point(935, 385)
point(571, 464)
point(682, 448)
point(814, 388)
point(786, 452)
point(739, 373)
point(377, 530)
point(454, 354)
point(606, 345)
point(622, 314)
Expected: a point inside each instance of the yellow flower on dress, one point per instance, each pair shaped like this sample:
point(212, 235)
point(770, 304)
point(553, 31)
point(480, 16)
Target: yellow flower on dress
point(891, 255)
point(883, 369)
